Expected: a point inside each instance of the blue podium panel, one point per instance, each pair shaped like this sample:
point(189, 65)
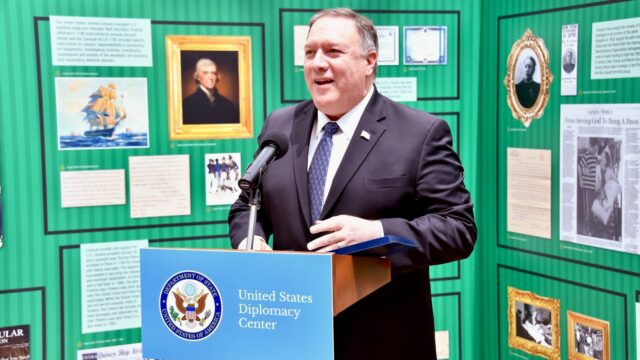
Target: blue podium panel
point(236, 305)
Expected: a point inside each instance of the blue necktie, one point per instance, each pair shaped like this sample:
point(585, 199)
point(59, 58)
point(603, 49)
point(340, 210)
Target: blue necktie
point(317, 175)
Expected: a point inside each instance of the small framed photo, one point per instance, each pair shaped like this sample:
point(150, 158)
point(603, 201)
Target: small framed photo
point(222, 172)
point(528, 78)
point(534, 323)
point(425, 45)
point(209, 87)
point(588, 337)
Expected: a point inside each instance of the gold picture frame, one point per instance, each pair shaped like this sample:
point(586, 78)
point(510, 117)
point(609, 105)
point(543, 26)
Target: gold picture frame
point(534, 323)
point(528, 92)
point(588, 337)
point(232, 56)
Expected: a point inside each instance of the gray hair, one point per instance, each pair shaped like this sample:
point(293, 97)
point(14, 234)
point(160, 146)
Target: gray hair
point(202, 63)
point(366, 30)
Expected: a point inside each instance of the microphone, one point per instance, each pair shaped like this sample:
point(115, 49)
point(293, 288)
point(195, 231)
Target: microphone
point(273, 147)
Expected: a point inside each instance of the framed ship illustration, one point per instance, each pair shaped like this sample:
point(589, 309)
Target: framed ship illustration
point(102, 113)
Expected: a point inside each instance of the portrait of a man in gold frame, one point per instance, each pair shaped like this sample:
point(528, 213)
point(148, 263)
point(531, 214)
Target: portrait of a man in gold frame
point(534, 323)
point(528, 78)
point(588, 337)
point(219, 107)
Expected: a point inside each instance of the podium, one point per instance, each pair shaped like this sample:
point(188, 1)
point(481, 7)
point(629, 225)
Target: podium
point(230, 304)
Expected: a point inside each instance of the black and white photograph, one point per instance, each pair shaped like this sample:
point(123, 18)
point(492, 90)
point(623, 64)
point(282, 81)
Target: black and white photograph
point(527, 77)
point(588, 337)
point(569, 61)
point(534, 324)
point(222, 172)
point(599, 197)
point(588, 341)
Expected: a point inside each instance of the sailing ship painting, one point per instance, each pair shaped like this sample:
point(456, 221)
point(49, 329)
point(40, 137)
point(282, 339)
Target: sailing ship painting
point(102, 113)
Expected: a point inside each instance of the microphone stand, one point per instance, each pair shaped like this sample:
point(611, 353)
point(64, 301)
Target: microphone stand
point(254, 205)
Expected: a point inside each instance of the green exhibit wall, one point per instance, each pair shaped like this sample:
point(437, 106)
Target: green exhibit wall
point(593, 281)
point(40, 256)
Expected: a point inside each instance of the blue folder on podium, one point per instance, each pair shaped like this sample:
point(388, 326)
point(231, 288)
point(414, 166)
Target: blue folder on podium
point(230, 304)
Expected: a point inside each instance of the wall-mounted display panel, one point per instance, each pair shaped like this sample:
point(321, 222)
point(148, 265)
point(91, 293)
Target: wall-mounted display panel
point(75, 98)
point(546, 133)
point(439, 80)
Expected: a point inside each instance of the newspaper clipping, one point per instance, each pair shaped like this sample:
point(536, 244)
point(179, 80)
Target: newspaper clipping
point(599, 174)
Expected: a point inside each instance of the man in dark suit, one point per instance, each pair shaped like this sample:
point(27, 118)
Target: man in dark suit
point(391, 171)
point(206, 105)
point(527, 89)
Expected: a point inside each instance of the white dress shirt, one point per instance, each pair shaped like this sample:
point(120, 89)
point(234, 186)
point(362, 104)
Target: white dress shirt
point(348, 123)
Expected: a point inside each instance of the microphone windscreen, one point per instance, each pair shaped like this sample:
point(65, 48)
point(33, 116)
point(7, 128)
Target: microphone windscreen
point(278, 140)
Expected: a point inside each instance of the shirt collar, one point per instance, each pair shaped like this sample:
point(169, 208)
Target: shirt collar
point(349, 121)
point(210, 95)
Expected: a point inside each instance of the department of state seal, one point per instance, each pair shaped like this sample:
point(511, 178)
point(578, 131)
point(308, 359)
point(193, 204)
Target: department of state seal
point(190, 305)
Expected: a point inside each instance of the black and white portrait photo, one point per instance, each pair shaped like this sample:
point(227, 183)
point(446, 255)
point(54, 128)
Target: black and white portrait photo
point(599, 197)
point(569, 61)
point(527, 77)
point(534, 324)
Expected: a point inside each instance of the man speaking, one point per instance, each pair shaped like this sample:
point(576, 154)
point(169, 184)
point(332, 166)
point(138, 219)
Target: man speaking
point(360, 166)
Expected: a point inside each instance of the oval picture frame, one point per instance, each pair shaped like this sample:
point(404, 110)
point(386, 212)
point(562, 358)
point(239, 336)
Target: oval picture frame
point(528, 94)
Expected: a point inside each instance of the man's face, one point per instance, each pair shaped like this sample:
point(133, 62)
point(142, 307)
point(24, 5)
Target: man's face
point(208, 77)
point(569, 57)
point(529, 69)
point(338, 76)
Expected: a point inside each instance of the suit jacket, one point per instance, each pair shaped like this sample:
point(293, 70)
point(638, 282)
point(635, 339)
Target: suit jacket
point(197, 109)
point(408, 176)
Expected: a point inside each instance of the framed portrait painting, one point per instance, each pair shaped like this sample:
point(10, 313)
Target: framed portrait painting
point(534, 323)
point(528, 78)
point(209, 87)
point(588, 337)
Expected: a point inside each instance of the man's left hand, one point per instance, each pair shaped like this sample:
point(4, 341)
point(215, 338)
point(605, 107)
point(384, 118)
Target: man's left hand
point(345, 230)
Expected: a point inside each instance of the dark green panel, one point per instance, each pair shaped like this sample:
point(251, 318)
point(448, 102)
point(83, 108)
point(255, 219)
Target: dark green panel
point(47, 257)
point(434, 81)
point(544, 133)
point(74, 219)
point(25, 307)
point(503, 22)
point(582, 298)
point(448, 271)
point(447, 317)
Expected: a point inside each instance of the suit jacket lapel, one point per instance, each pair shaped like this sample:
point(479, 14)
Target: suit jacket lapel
point(357, 151)
point(300, 133)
